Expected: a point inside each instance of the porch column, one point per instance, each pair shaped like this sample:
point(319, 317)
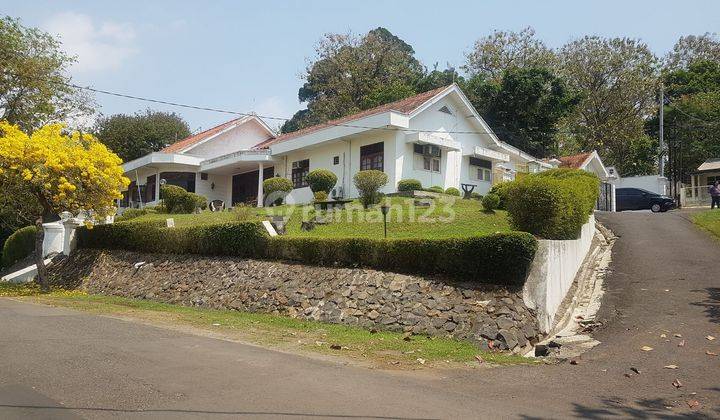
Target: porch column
point(260, 195)
point(157, 187)
point(693, 185)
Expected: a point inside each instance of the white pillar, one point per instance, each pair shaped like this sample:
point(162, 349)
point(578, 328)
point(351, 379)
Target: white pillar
point(69, 241)
point(260, 195)
point(53, 239)
point(157, 187)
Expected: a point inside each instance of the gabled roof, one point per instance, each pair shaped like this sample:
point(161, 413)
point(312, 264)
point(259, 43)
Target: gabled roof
point(195, 139)
point(574, 161)
point(403, 106)
point(712, 164)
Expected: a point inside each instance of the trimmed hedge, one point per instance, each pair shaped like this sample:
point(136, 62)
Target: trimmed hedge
point(368, 184)
point(436, 189)
point(501, 190)
point(409, 185)
point(177, 200)
point(554, 204)
point(321, 180)
point(491, 202)
point(501, 258)
point(276, 189)
point(18, 246)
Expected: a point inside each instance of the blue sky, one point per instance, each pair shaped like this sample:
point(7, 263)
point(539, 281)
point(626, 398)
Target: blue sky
point(248, 56)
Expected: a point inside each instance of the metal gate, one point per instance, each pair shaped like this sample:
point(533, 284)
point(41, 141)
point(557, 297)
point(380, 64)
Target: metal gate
point(604, 201)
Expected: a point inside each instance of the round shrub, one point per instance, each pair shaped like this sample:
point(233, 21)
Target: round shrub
point(276, 189)
point(130, 214)
point(490, 202)
point(18, 246)
point(321, 180)
point(436, 189)
point(172, 196)
point(476, 196)
point(501, 190)
point(409, 185)
point(320, 195)
point(453, 191)
point(368, 184)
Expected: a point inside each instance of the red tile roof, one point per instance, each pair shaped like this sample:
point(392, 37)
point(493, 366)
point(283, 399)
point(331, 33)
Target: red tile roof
point(574, 161)
point(183, 144)
point(405, 106)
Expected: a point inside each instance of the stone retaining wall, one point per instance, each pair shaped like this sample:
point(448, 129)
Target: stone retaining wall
point(492, 317)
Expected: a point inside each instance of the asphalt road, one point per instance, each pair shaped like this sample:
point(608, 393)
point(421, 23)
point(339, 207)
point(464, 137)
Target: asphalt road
point(56, 363)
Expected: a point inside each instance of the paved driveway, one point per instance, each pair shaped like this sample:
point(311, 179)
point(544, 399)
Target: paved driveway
point(57, 363)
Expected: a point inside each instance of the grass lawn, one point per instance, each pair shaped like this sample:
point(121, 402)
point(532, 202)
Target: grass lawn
point(446, 218)
point(382, 349)
point(709, 220)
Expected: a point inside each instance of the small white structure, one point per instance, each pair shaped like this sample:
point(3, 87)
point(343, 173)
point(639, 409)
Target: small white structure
point(653, 183)
point(697, 193)
point(436, 137)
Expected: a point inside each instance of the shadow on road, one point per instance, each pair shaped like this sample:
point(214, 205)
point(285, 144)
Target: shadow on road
point(616, 407)
point(711, 303)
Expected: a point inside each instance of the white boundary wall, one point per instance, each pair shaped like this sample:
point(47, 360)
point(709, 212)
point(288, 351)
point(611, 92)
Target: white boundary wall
point(553, 271)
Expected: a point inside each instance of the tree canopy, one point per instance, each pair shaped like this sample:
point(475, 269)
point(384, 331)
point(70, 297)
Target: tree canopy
point(133, 136)
point(34, 87)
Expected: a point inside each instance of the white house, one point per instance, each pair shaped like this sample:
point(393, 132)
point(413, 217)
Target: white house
point(436, 137)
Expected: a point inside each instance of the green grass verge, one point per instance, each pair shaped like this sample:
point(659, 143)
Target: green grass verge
point(387, 349)
point(447, 218)
point(709, 220)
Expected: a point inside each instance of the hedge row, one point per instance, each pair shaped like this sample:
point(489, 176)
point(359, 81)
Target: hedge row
point(501, 258)
point(18, 246)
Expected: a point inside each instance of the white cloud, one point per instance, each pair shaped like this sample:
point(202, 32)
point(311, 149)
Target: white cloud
point(97, 45)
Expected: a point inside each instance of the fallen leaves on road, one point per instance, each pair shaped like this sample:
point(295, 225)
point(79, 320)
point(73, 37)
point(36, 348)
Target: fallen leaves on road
point(676, 383)
point(573, 362)
point(710, 338)
point(710, 353)
point(646, 348)
point(678, 335)
point(671, 367)
point(663, 336)
point(627, 375)
point(335, 346)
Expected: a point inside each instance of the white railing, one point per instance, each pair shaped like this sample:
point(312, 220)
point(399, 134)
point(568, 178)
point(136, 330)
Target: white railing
point(694, 196)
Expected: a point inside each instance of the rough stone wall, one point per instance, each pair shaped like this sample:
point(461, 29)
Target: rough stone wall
point(492, 317)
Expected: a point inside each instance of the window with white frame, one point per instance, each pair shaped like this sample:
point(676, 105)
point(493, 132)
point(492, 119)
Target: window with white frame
point(480, 169)
point(427, 157)
point(300, 171)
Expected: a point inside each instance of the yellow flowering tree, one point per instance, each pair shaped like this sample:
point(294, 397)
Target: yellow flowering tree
point(63, 171)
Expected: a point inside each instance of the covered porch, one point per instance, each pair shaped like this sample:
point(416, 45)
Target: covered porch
point(242, 174)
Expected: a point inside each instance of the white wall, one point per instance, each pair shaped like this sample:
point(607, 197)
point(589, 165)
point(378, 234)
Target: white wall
point(553, 271)
point(242, 137)
point(653, 183)
point(222, 190)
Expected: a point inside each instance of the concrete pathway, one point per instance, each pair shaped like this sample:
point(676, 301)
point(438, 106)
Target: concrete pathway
point(58, 363)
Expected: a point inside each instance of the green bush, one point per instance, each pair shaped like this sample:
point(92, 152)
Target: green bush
point(321, 180)
point(554, 204)
point(177, 200)
point(276, 189)
point(368, 184)
point(453, 191)
point(320, 195)
point(130, 214)
point(409, 185)
point(501, 190)
point(436, 189)
point(18, 246)
point(490, 202)
point(501, 258)
point(476, 196)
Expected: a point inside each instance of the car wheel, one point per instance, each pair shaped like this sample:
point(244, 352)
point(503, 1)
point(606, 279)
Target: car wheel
point(655, 208)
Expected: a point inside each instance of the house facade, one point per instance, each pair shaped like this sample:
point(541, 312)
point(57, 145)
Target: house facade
point(436, 137)
point(697, 194)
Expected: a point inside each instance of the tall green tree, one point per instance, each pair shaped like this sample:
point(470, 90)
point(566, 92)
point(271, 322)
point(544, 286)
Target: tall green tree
point(34, 86)
point(618, 80)
point(132, 136)
point(350, 74)
point(500, 51)
point(524, 108)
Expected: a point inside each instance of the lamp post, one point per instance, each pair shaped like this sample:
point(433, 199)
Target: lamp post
point(385, 209)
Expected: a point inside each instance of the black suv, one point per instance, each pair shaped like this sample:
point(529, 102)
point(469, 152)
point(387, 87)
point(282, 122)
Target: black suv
point(639, 199)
